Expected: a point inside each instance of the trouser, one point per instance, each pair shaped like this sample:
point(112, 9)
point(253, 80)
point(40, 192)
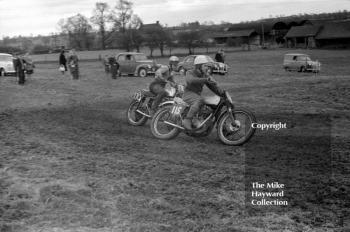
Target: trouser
point(114, 71)
point(158, 89)
point(21, 77)
point(75, 72)
point(195, 101)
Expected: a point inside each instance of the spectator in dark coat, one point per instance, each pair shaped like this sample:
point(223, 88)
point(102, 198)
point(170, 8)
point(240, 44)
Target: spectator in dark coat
point(19, 65)
point(219, 56)
point(114, 67)
point(63, 60)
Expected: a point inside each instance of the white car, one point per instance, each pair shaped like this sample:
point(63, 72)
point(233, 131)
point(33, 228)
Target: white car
point(6, 64)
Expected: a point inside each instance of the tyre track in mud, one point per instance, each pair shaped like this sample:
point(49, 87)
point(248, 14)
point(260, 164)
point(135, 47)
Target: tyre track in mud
point(97, 150)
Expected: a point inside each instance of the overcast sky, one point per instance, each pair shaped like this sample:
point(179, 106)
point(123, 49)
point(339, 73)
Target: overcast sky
point(33, 17)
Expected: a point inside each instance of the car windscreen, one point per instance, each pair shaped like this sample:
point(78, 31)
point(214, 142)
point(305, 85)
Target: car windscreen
point(5, 58)
point(140, 57)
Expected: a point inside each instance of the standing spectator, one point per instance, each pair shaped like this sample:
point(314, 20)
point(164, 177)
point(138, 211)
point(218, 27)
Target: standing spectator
point(106, 64)
point(73, 64)
point(114, 67)
point(19, 64)
point(219, 56)
point(63, 61)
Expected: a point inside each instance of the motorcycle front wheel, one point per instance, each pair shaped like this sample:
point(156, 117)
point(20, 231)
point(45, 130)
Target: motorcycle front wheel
point(135, 118)
point(161, 127)
point(238, 132)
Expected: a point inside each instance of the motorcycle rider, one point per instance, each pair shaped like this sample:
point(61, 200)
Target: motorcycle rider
point(163, 75)
point(195, 80)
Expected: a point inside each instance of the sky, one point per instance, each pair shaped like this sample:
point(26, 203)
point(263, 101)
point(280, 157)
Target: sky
point(33, 17)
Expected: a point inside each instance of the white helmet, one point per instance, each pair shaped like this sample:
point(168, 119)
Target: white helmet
point(173, 59)
point(201, 59)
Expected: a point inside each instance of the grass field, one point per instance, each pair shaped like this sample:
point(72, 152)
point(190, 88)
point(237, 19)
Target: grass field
point(70, 162)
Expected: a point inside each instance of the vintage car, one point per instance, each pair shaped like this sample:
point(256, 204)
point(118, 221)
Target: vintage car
point(215, 67)
point(300, 62)
point(6, 64)
point(135, 63)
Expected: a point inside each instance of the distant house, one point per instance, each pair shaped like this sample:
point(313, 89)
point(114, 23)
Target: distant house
point(336, 35)
point(302, 36)
point(151, 27)
point(239, 37)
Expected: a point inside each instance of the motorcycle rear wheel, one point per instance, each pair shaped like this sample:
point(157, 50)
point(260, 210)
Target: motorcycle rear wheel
point(238, 133)
point(134, 118)
point(161, 130)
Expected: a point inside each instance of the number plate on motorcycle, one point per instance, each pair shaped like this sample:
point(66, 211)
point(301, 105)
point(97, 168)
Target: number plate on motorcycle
point(176, 109)
point(137, 96)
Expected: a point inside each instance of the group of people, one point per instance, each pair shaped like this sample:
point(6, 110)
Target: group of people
point(111, 66)
point(72, 63)
point(195, 81)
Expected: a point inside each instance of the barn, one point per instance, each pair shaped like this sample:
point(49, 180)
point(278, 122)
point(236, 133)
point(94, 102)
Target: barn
point(334, 35)
point(302, 36)
point(237, 38)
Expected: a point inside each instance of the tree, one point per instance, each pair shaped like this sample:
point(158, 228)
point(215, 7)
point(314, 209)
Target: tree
point(123, 15)
point(78, 29)
point(101, 16)
point(155, 36)
point(190, 39)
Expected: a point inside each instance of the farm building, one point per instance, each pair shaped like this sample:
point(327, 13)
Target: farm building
point(238, 38)
point(302, 36)
point(322, 34)
point(335, 35)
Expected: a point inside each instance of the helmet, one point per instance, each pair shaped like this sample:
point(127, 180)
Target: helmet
point(201, 59)
point(174, 59)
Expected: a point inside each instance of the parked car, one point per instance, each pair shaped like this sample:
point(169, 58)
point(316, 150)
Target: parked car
point(215, 67)
point(6, 64)
point(135, 63)
point(301, 63)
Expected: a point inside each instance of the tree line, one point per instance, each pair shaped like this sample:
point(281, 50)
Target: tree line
point(120, 26)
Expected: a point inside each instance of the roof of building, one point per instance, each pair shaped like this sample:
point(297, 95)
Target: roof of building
point(151, 26)
point(238, 33)
point(303, 31)
point(335, 30)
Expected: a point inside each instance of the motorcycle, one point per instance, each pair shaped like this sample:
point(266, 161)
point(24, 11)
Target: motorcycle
point(139, 109)
point(234, 126)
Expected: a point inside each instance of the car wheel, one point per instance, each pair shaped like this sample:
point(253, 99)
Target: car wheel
point(142, 72)
point(302, 69)
point(2, 72)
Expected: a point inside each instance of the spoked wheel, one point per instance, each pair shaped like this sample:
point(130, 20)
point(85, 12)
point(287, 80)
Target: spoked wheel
point(135, 118)
point(237, 132)
point(161, 124)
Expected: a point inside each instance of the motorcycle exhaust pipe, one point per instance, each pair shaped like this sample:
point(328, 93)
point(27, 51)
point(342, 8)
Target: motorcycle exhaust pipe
point(140, 112)
point(174, 125)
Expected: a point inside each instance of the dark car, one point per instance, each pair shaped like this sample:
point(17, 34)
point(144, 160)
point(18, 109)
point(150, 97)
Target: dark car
point(215, 67)
point(135, 63)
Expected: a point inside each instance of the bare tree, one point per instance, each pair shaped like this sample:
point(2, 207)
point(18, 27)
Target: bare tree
point(78, 29)
point(101, 16)
point(122, 15)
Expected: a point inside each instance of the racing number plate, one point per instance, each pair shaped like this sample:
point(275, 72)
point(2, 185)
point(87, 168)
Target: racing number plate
point(176, 110)
point(137, 96)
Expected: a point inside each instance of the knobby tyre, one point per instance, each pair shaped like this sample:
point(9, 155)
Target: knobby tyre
point(161, 130)
point(235, 134)
point(134, 118)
